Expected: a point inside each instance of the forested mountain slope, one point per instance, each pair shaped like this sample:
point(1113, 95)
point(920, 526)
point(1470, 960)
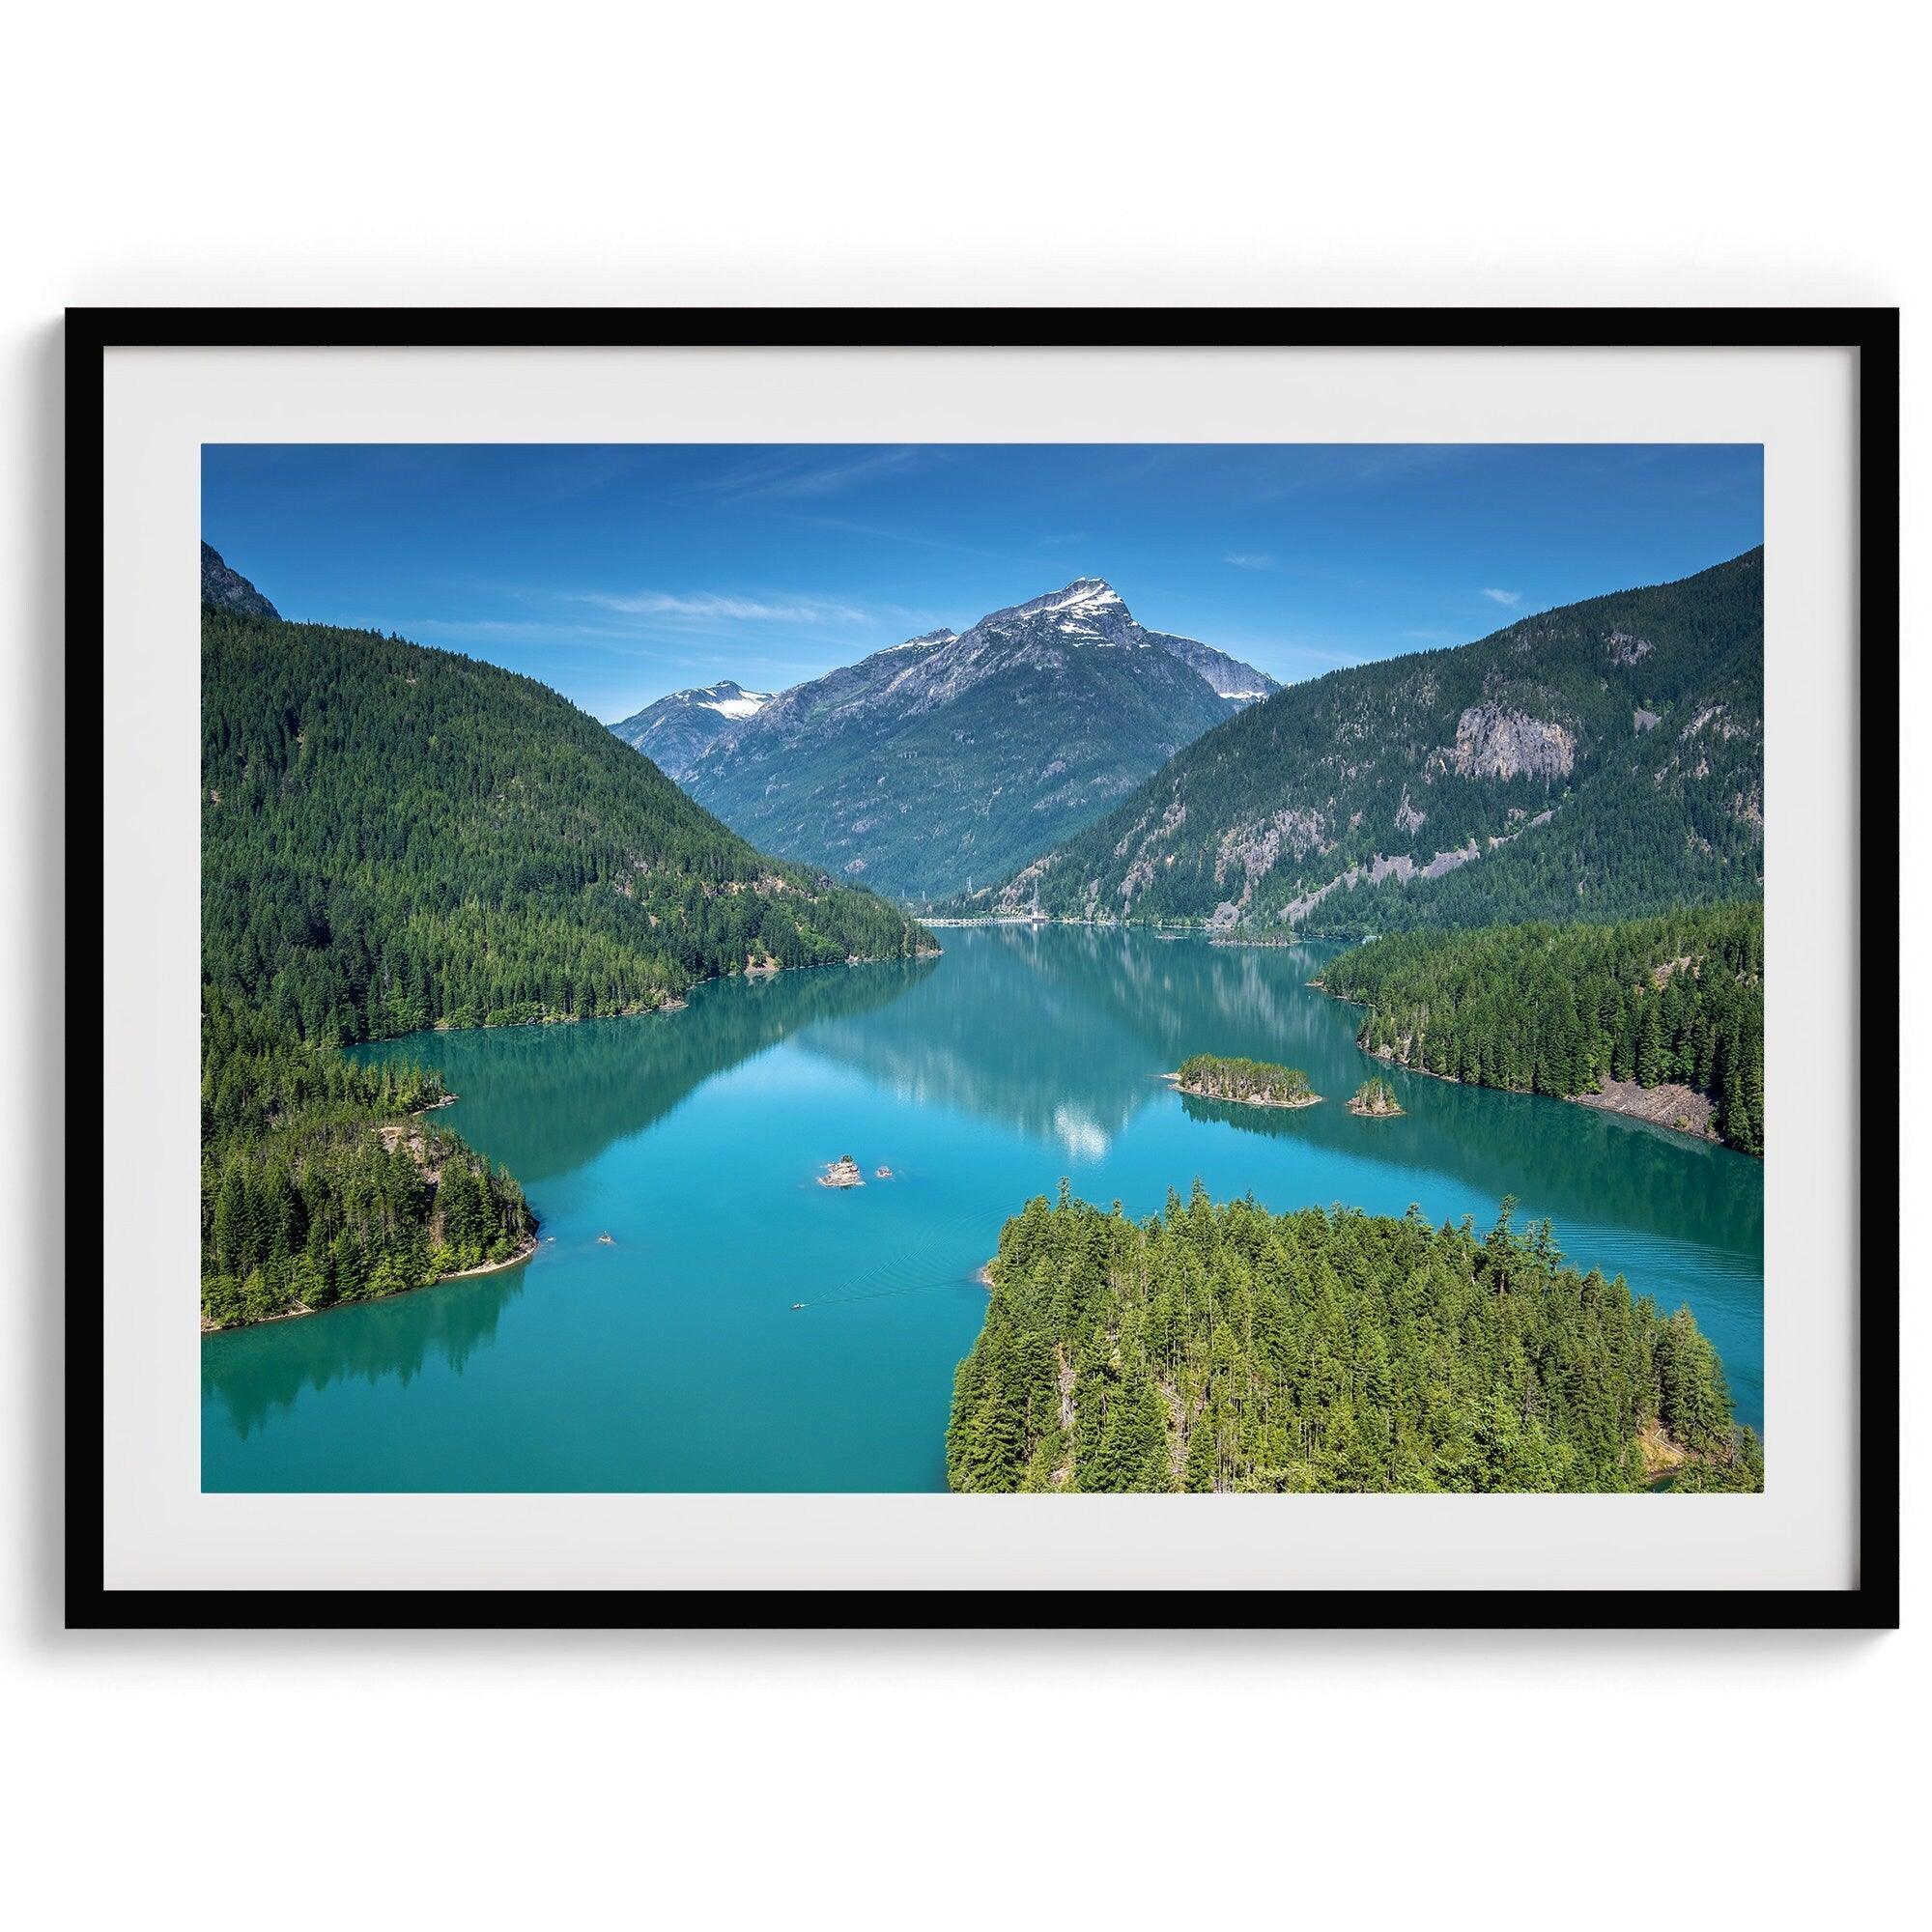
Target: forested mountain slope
point(1677, 1000)
point(949, 759)
point(1225, 1347)
point(1597, 760)
point(395, 836)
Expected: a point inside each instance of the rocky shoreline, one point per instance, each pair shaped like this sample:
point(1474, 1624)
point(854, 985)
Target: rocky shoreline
point(1676, 1108)
point(1682, 1110)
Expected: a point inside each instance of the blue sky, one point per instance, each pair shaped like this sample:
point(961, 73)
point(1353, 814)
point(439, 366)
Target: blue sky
point(616, 574)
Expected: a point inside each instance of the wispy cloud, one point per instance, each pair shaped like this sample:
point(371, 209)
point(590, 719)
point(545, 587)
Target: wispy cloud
point(721, 607)
point(791, 473)
point(460, 631)
point(1249, 560)
point(1508, 599)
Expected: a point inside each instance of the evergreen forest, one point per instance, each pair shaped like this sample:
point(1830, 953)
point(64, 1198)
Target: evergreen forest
point(1222, 1348)
point(395, 838)
point(316, 1187)
point(1556, 1010)
point(1259, 1083)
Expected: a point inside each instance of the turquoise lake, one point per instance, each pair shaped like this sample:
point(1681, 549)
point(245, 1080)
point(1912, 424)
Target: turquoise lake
point(673, 1359)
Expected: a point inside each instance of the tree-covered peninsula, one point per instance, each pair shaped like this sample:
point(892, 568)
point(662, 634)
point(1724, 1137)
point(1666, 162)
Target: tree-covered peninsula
point(395, 838)
point(1253, 1083)
point(1225, 1347)
point(317, 1184)
point(1670, 1007)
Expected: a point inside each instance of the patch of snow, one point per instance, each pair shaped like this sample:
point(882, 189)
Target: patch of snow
point(1083, 590)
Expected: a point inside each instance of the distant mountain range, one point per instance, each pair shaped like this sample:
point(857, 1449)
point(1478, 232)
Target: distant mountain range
point(949, 759)
point(678, 731)
point(1601, 759)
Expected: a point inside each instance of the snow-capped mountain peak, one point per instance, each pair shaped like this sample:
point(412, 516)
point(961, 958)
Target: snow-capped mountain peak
point(926, 762)
point(945, 756)
point(1088, 610)
point(678, 731)
point(1084, 593)
point(1087, 591)
point(730, 699)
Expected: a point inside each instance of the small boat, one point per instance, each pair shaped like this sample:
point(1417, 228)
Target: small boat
point(882, 1174)
point(607, 1240)
point(798, 1304)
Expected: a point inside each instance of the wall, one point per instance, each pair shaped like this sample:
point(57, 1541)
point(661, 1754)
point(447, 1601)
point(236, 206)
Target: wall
point(1008, 153)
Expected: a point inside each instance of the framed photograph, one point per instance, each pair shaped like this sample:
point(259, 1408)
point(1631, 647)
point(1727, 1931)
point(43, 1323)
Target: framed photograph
point(1169, 968)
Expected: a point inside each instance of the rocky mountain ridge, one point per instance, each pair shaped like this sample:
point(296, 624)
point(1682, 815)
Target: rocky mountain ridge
point(225, 589)
point(949, 757)
point(1600, 759)
point(678, 731)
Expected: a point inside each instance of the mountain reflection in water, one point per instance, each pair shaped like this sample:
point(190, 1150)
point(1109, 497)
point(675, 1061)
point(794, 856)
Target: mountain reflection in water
point(746, 1329)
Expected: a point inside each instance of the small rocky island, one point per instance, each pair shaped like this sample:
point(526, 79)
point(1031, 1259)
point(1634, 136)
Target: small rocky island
point(841, 1173)
point(1252, 1083)
point(1375, 1100)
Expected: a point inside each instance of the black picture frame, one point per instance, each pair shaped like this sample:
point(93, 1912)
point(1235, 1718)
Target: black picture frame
point(1873, 333)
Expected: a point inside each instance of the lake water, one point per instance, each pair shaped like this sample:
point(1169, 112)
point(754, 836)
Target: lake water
point(673, 1359)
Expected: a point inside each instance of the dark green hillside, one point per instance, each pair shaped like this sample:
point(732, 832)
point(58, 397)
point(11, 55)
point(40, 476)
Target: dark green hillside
point(1599, 760)
point(315, 1188)
point(1675, 1000)
point(394, 838)
point(1225, 1347)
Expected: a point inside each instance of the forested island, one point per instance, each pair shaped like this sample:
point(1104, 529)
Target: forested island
point(1661, 1016)
point(1219, 1346)
point(1252, 1083)
point(396, 837)
point(1375, 1100)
